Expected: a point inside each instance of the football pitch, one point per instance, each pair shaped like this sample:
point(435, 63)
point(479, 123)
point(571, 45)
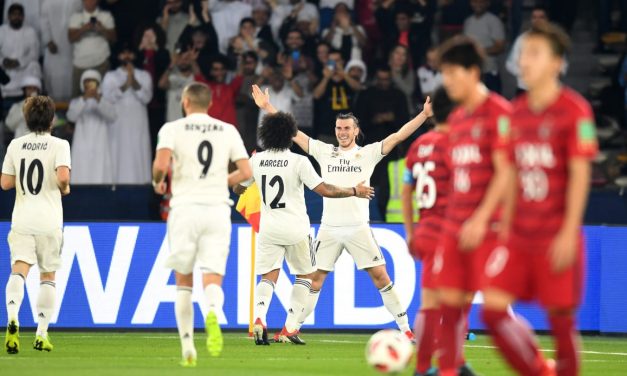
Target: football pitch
point(112, 353)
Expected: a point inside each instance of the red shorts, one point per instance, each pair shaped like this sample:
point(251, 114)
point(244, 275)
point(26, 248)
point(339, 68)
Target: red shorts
point(524, 270)
point(459, 269)
point(423, 248)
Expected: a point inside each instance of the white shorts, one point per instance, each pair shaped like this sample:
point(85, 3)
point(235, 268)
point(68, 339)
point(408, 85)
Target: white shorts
point(43, 250)
point(300, 257)
point(358, 241)
point(199, 234)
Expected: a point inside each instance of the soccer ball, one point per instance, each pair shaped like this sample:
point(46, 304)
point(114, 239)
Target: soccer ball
point(389, 351)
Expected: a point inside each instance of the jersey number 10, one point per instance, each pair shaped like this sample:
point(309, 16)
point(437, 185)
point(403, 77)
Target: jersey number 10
point(34, 187)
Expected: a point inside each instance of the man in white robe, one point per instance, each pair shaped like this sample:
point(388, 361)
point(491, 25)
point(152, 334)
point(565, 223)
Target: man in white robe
point(92, 115)
point(55, 19)
point(130, 90)
point(19, 52)
point(226, 16)
point(32, 11)
point(31, 86)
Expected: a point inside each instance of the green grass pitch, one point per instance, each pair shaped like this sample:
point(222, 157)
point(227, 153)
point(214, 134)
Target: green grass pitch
point(93, 354)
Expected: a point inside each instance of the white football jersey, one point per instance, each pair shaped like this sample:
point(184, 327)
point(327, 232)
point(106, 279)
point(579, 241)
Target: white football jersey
point(280, 177)
point(33, 160)
point(202, 148)
point(345, 168)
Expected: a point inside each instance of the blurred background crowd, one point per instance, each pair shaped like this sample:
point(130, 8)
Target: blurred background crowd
point(116, 68)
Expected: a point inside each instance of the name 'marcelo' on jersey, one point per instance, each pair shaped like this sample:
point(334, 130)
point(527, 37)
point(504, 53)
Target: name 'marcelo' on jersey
point(202, 148)
point(33, 160)
point(429, 171)
point(473, 138)
point(280, 176)
point(542, 144)
point(345, 168)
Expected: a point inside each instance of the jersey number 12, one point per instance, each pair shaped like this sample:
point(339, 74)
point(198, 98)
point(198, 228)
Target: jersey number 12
point(276, 203)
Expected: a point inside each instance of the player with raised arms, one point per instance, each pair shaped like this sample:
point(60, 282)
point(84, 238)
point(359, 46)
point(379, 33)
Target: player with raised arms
point(38, 166)
point(427, 173)
point(552, 143)
point(284, 228)
point(345, 222)
point(200, 149)
point(478, 159)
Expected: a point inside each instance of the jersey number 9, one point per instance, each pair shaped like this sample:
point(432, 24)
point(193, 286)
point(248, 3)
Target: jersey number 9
point(205, 154)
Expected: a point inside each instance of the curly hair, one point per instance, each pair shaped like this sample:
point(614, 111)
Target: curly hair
point(39, 113)
point(277, 130)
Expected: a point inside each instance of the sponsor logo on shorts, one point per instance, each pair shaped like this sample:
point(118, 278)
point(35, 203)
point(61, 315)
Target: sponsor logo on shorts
point(496, 262)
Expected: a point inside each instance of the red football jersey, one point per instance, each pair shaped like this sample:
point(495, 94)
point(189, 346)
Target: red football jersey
point(473, 138)
point(542, 143)
point(428, 165)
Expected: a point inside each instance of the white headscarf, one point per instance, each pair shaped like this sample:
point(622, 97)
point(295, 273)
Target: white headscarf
point(358, 64)
point(90, 74)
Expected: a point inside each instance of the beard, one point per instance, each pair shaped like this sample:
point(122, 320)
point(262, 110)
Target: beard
point(16, 24)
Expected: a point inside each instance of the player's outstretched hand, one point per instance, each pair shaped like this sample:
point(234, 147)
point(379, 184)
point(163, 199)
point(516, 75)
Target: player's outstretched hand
point(472, 234)
point(262, 100)
point(563, 251)
point(427, 109)
point(364, 191)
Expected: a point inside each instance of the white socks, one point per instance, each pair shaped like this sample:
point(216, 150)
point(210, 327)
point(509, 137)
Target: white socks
point(45, 306)
point(393, 305)
point(300, 293)
point(310, 306)
point(215, 298)
point(184, 312)
point(14, 295)
point(263, 297)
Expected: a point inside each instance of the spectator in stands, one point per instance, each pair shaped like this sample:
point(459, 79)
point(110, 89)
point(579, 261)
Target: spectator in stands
point(130, 90)
point(55, 20)
point(32, 12)
point(327, 10)
point(344, 36)
point(92, 116)
point(226, 16)
point(154, 59)
point(90, 31)
point(15, 122)
point(358, 71)
point(128, 15)
point(261, 16)
point(245, 41)
point(173, 21)
point(334, 93)
point(453, 13)
point(200, 35)
point(382, 109)
point(429, 76)
point(283, 89)
point(488, 30)
point(223, 93)
point(19, 54)
point(322, 58)
point(296, 12)
point(403, 76)
point(174, 80)
point(399, 29)
point(245, 107)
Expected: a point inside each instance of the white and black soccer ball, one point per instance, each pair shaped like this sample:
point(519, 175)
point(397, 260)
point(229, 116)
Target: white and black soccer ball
point(389, 351)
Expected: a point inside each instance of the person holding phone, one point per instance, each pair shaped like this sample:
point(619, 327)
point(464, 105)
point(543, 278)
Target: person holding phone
point(91, 31)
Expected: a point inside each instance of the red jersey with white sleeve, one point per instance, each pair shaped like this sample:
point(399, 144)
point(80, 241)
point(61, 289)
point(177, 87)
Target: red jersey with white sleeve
point(473, 138)
point(428, 169)
point(542, 144)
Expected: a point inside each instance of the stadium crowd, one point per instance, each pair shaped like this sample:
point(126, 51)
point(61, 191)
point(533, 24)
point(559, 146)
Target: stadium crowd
point(119, 66)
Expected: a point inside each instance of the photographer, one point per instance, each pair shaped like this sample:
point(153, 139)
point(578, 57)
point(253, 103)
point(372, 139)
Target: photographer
point(90, 32)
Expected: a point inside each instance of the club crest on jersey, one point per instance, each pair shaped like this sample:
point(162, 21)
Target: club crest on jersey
point(335, 152)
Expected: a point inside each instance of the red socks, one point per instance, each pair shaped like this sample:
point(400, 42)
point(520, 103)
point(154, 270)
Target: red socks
point(451, 340)
point(515, 341)
point(566, 343)
point(426, 328)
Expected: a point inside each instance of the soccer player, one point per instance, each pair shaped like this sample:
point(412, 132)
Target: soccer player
point(199, 225)
point(345, 221)
point(478, 177)
point(427, 174)
point(38, 166)
point(552, 142)
point(284, 228)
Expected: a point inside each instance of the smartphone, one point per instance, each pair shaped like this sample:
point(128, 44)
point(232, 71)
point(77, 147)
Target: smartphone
point(93, 20)
point(295, 56)
point(331, 65)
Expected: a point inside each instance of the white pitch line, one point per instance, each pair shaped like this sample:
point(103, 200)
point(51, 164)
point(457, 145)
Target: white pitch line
point(552, 350)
